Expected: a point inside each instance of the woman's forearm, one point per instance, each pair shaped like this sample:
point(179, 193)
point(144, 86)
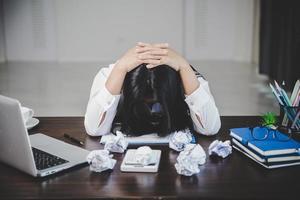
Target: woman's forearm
point(189, 79)
point(115, 80)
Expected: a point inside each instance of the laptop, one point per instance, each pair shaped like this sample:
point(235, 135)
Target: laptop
point(38, 155)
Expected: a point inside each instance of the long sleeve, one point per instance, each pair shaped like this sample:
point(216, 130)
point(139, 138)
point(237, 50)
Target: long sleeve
point(204, 113)
point(101, 101)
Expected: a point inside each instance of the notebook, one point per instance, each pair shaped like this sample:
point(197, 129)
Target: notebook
point(147, 139)
point(267, 147)
point(267, 159)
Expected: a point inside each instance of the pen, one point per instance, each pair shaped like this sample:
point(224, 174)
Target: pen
point(73, 139)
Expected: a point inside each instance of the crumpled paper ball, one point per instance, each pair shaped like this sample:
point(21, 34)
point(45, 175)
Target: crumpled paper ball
point(190, 159)
point(144, 156)
point(219, 148)
point(180, 139)
point(100, 160)
point(116, 143)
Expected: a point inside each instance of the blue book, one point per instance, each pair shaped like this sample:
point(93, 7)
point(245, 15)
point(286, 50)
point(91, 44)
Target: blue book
point(268, 165)
point(268, 147)
point(274, 159)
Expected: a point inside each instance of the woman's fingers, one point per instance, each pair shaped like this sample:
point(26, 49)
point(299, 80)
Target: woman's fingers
point(152, 61)
point(161, 52)
point(143, 49)
point(149, 56)
point(152, 54)
point(143, 44)
point(158, 48)
point(161, 45)
point(153, 51)
point(158, 45)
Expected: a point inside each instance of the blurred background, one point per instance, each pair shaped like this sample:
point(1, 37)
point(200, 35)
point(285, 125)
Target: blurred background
point(50, 50)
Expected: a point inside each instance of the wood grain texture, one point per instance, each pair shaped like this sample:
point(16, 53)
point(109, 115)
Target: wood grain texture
point(235, 177)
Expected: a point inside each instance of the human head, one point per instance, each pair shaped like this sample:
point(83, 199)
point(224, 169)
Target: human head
point(152, 100)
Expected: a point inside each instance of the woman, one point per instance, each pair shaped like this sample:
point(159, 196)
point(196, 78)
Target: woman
point(151, 89)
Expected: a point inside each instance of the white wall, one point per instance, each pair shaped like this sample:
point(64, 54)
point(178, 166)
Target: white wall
point(30, 30)
point(103, 30)
point(94, 30)
point(2, 38)
point(219, 30)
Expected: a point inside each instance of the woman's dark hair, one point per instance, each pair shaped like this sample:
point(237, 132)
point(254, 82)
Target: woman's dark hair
point(144, 88)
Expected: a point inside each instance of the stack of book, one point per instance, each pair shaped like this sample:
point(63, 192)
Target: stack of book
point(270, 152)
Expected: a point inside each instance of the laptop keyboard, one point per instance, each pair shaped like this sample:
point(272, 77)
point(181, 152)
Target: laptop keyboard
point(44, 160)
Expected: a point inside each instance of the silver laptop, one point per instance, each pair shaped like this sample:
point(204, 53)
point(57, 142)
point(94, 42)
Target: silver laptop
point(38, 154)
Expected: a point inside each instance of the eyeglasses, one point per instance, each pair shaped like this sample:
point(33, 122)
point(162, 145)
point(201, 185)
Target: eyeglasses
point(281, 133)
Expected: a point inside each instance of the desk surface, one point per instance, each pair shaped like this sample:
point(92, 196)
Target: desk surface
point(235, 177)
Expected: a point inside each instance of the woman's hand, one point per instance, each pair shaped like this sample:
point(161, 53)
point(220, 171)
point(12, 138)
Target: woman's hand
point(162, 53)
point(132, 58)
point(167, 56)
point(128, 61)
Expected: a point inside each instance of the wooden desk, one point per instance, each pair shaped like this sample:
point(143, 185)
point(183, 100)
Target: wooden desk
point(236, 177)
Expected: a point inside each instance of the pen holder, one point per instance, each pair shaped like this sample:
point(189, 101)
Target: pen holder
point(290, 117)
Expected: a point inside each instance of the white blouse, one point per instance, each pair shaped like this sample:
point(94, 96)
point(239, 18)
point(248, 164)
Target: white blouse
point(204, 113)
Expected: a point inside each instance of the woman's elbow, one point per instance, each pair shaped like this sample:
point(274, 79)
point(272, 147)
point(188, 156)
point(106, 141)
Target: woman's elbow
point(211, 128)
point(208, 132)
point(91, 132)
point(89, 128)
point(215, 129)
point(95, 130)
